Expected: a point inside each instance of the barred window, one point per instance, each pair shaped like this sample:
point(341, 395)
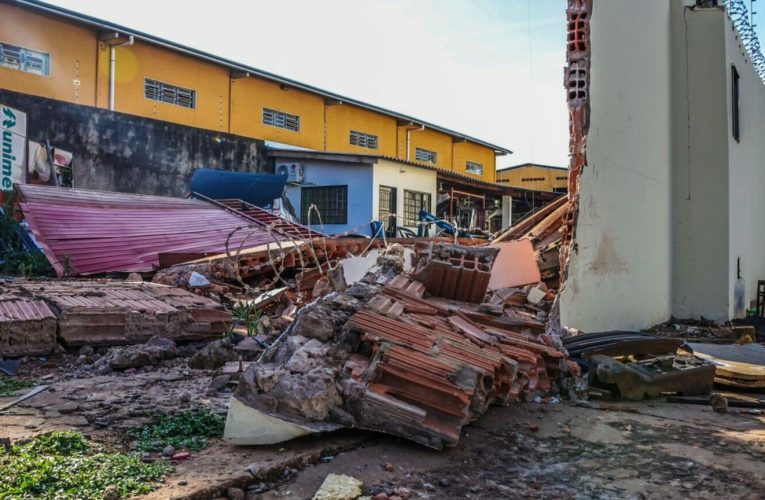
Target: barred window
point(28, 60)
point(363, 140)
point(171, 94)
point(425, 155)
point(331, 201)
point(561, 178)
point(532, 179)
point(280, 119)
point(415, 201)
point(474, 168)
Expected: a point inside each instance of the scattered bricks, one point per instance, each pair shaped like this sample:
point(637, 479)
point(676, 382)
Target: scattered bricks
point(456, 272)
point(27, 327)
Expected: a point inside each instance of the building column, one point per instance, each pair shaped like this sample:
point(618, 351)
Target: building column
point(507, 211)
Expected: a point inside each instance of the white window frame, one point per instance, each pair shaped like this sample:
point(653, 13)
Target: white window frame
point(23, 60)
point(169, 93)
point(474, 168)
point(363, 140)
point(425, 155)
point(280, 119)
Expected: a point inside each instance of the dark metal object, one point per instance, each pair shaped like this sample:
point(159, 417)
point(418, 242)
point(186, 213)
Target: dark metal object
point(619, 343)
point(684, 375)
point(761, 298)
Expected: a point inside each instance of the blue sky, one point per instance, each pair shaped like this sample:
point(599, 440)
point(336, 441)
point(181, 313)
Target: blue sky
point(488, 68)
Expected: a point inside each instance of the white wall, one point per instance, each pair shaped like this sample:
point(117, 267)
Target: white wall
point(700, 164)
point(402, 177)
point(620, 271)
point(747, 172)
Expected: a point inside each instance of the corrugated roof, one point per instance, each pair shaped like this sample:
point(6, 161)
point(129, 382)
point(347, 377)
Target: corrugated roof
point(103, 25)
point(91, 232)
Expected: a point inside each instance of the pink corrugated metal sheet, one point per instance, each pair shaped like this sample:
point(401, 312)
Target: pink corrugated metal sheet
point(92, 232)
point(24, 310)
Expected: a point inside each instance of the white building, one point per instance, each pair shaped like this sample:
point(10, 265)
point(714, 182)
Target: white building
point(351, 190)
point(672, 196)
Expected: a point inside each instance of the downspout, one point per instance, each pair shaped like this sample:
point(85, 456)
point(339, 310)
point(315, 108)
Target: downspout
point(113, 67)
point(409, 141)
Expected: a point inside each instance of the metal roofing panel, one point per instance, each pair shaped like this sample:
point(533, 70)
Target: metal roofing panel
point(92, 232)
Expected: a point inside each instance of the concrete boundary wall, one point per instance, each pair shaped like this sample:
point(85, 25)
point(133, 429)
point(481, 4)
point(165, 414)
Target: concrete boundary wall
point(120, 152)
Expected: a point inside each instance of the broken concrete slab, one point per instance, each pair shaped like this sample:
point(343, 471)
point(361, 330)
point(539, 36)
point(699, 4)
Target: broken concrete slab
point(741, 366)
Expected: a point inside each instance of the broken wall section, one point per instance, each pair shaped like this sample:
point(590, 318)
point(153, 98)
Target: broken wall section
point(619, 253)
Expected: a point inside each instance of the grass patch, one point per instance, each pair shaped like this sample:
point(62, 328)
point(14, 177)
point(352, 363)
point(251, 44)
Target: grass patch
point(10, 386)
point(188, 430)
point(65, 465)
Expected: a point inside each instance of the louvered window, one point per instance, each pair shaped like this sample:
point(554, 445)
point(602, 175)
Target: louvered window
point(280, 119)
point(171, 94)
point(30, 61)
point(363, 140)
point(425, 155)
point(474, 168)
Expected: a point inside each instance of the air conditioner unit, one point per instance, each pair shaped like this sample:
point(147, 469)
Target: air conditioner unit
point(293, 171)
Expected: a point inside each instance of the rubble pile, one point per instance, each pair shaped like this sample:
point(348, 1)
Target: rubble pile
point(35, 314)
point(387, 356)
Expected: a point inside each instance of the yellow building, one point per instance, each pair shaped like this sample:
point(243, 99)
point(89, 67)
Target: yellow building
point(536, 177)
point(55, 53)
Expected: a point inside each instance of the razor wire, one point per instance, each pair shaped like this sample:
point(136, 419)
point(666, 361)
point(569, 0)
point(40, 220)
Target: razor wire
point(739, 15)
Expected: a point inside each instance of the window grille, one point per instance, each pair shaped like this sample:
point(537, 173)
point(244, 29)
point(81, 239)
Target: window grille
point(414, 202)
point(280, 119)
point(425, 155)
point(170, 94)
point(19, 58)
point(363, 140)
point(474, 168)
point(331, 201)
point(532, 179)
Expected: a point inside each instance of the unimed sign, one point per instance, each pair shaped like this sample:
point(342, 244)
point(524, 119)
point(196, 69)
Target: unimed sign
point(13, 133)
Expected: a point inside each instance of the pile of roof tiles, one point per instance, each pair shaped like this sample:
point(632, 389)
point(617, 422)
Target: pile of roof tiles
point(35, 314)
point(402, 356)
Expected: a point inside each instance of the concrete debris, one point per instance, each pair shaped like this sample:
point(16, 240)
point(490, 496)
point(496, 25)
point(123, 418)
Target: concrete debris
point(740, 366)
point(214, 355)
point(339, 487)
point(385, 358)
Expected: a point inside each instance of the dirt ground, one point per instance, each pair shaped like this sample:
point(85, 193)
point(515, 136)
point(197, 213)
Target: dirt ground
point(651, 449)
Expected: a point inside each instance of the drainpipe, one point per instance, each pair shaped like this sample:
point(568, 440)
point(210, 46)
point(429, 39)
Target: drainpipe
point(409, 141)
point(113, 67)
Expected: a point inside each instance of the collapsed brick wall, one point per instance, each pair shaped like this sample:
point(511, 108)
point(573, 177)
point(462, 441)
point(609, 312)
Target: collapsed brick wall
point(577, 83)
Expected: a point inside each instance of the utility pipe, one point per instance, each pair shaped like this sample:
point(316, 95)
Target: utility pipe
point(409, 141)
point(113, 67)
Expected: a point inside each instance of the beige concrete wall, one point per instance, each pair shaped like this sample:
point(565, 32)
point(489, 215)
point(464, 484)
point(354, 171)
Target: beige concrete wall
point(401, 177)
point(620, 272)
point(747, 172)
point(700, 166)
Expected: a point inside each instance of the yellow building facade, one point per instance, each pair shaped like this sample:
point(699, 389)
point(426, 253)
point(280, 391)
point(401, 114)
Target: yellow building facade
point(536, 177)
point(58, 54)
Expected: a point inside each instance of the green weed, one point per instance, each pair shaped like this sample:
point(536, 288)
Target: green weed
point(64, 465)
point(10, 386)
point(188, 430)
